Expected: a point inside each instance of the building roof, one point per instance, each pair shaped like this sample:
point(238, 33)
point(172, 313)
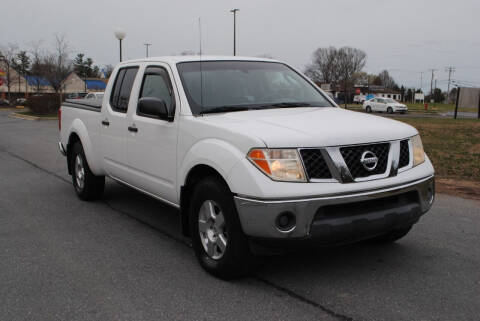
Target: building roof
point(95, 84)
point(35, 81)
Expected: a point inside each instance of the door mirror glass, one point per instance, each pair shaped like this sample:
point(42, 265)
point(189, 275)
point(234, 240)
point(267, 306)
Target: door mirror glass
point(154, 107)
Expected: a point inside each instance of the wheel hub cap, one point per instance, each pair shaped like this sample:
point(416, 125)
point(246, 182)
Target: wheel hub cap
point(211, 227)
point(79, 172)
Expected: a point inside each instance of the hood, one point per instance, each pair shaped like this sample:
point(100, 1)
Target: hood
point(312, 127)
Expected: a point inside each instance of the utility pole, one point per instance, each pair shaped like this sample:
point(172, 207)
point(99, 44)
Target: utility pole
point(450, 70)
point(234, 11)
point(431, 82)
point(421, 80)
point(146, 48)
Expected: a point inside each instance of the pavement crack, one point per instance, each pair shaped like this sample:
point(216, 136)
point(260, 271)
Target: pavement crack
point(35, 165)
point(299, 297)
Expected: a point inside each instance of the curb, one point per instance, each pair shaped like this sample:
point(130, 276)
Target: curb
point(28, 117)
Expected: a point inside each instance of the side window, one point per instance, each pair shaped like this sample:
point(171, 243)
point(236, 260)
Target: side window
point(122, 89)
point(156, 83)
point(116, 88)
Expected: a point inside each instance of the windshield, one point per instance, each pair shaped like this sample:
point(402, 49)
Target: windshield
point(243, 85)
point(389, 100)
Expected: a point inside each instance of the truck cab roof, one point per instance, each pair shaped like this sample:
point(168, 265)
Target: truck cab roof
point(177, 59)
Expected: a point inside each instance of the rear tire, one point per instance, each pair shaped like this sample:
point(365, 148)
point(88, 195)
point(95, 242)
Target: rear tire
point(391, 236)
point(368, 109)
point(218, 240)
point(87, 185)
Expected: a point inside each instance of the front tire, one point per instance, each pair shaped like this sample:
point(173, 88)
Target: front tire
point(87, 185)
point(368, 109)
point(390, 110)
point(218, 240)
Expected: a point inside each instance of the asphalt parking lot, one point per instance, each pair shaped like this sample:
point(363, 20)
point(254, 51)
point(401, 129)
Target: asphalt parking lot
point(123, 258)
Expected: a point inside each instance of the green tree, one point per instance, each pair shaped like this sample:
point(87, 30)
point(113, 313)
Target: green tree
point(21, 62)
point(409, 95)
point(84, 67)
point(438, 95)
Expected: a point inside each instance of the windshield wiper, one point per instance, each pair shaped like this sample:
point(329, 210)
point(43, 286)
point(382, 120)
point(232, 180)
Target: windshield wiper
point(222, 109)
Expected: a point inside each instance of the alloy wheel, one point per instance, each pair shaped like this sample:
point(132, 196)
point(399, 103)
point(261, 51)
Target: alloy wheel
point(212, 229)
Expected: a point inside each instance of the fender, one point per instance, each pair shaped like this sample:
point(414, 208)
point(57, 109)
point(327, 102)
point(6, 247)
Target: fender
point(78, 127)
point(225, 157)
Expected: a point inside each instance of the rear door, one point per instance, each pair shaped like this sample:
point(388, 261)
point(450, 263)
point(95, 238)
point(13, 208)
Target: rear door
point(152, 146)
point(113, 121)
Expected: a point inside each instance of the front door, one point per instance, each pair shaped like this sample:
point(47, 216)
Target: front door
point(152, 144)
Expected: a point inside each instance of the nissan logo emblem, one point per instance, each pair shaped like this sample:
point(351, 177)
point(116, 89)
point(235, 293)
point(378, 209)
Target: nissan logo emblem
point(369, 160)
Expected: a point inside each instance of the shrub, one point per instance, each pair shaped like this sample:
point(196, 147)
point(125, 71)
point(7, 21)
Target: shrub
point(44, 104)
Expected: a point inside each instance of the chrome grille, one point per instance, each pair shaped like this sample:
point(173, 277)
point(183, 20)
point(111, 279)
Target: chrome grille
point(353, 154)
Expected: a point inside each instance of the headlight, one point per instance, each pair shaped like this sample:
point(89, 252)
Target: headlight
point(418, 153)
point(278, 164)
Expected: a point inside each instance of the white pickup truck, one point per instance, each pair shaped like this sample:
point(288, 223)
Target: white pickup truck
point(251, 152)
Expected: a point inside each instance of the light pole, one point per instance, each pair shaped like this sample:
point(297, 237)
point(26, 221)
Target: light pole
point(146, 48)
point(120, 35)
point(234, 11)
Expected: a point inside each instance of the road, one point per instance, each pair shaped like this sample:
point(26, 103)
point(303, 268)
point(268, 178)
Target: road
point(123, 258)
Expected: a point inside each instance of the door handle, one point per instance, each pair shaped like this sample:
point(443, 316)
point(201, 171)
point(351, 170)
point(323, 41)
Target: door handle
point(132, 129)
point(105, 122)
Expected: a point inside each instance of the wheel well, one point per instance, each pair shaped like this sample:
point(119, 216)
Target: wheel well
point(195, 175)
point(71, 141)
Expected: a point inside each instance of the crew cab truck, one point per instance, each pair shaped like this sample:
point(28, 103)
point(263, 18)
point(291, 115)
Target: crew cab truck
point(251, 152)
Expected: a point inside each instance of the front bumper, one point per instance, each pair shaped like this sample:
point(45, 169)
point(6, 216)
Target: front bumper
point(341, 217)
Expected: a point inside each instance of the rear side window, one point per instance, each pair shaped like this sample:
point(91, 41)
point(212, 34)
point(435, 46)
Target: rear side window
point(122, 89)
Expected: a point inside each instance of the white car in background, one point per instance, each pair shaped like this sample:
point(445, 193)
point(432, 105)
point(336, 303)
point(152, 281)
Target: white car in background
point(96, 95)
point(387, 105)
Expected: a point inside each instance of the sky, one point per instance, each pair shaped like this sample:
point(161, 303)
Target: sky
point(405, 37)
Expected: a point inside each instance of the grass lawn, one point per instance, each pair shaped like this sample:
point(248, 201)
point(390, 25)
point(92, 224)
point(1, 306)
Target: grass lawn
point(452, 145)
point(439, 108)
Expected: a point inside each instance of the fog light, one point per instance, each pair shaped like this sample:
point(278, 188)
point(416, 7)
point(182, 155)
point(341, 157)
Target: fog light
point(285, 222)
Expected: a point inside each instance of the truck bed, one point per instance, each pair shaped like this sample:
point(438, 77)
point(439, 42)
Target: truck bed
point(88, 104)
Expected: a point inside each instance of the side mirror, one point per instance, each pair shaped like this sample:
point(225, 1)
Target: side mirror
point(154, 107)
